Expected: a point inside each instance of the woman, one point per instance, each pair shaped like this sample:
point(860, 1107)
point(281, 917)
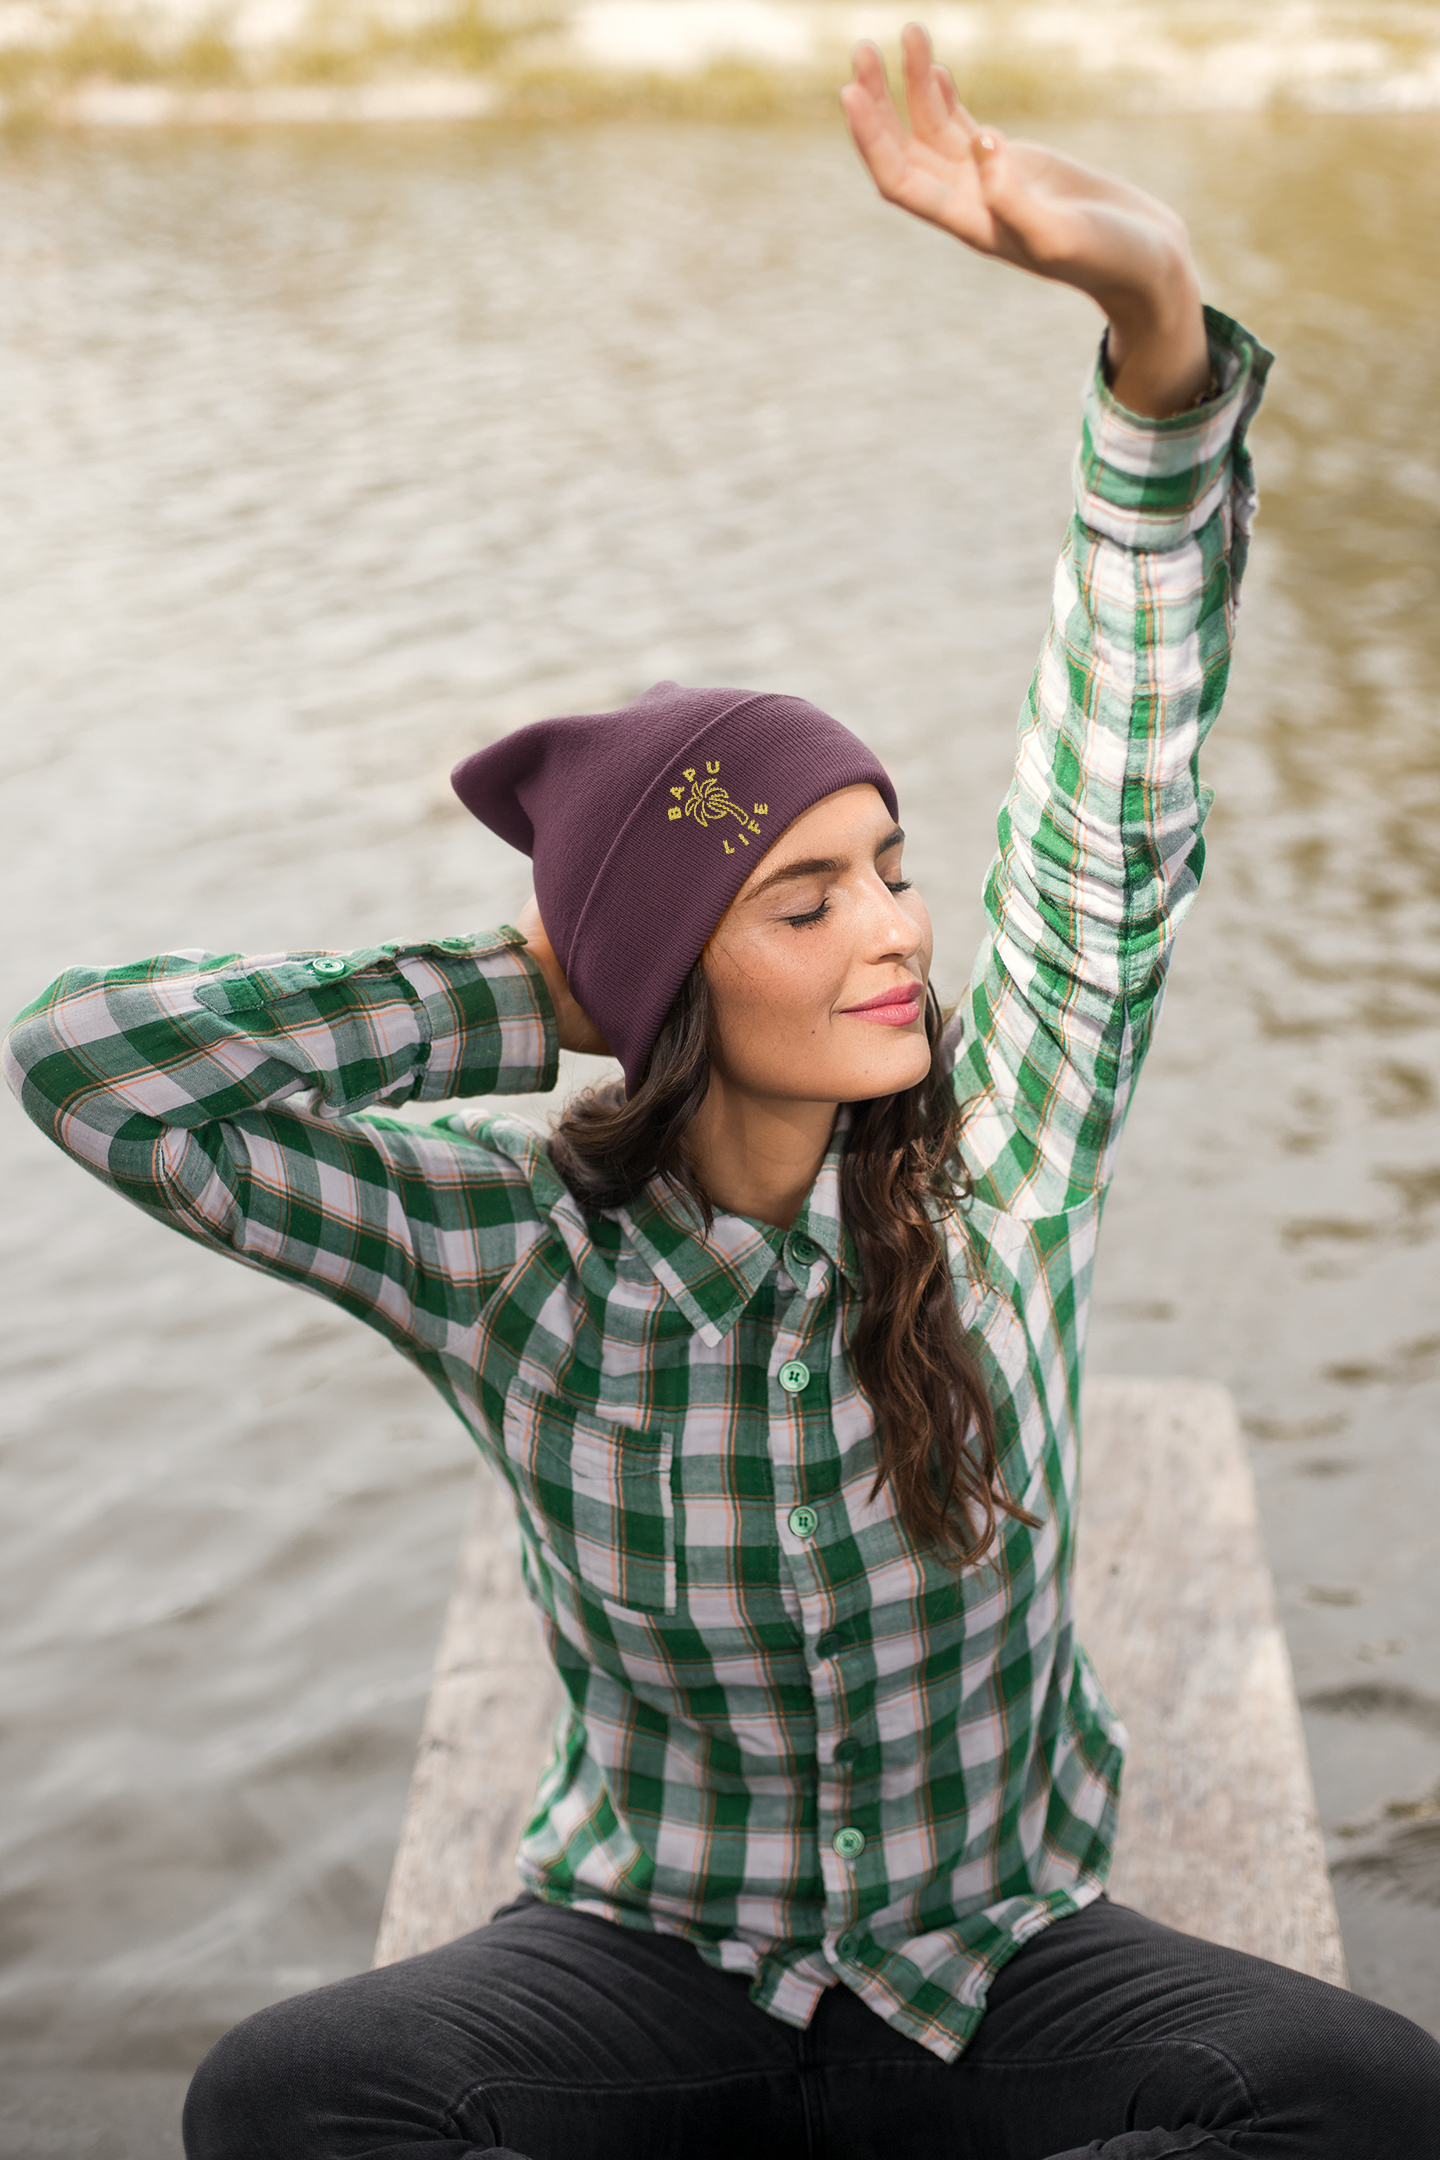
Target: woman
point(779, 1349)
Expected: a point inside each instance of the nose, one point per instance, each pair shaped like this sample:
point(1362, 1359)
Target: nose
point(895, 933)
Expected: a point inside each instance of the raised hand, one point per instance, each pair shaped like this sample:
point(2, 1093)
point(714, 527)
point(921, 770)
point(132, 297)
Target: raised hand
point(1046, 214)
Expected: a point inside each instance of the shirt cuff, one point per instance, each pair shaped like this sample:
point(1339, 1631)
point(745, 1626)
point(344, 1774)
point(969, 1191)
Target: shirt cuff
point(491, 1026)
point(1153, 483)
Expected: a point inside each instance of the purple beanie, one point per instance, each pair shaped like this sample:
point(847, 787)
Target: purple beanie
point(644, 824)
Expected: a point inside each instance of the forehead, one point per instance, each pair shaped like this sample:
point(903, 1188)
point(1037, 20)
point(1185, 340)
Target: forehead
point(849, 824)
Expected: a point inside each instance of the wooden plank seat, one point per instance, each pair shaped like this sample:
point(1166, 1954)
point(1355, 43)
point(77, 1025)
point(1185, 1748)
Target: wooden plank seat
point(1218, 1829)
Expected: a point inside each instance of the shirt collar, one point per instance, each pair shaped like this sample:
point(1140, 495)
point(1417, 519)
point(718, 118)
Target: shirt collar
point(820, 1218)
point(713, 1278)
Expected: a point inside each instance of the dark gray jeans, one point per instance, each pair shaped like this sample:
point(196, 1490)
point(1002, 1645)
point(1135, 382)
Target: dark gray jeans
point(555, 2036)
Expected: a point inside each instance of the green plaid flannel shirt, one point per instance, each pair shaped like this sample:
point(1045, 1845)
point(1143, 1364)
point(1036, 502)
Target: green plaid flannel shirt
point(792, 1736)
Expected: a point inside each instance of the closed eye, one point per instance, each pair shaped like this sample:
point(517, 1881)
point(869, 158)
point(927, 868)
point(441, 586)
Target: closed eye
point(818, 914)
point(803, 922)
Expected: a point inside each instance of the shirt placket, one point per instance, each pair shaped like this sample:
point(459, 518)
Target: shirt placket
point(806, 1524)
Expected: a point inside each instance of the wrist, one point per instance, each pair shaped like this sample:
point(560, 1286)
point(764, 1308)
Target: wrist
point(1157, 355)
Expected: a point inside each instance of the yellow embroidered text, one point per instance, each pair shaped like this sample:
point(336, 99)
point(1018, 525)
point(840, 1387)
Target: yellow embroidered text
point(709, 803)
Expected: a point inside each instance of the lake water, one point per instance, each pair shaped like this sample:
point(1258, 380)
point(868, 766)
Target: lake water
point(329, 457)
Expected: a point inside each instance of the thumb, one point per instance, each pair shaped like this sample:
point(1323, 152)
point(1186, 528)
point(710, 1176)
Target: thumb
point(994, 166)
point(1029, 229)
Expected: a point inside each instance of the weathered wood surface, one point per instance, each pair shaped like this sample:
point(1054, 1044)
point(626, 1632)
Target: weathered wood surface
point(485, 1740)
point(1218, 1830)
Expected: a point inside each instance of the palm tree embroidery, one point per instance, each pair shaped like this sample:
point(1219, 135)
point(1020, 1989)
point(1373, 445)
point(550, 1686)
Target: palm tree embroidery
point(708, 802)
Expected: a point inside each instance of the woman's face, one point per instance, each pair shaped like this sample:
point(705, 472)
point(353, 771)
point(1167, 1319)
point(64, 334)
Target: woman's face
point(817, 970)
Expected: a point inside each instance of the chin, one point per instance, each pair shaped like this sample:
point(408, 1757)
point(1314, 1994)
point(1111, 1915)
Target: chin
point(905, 1068)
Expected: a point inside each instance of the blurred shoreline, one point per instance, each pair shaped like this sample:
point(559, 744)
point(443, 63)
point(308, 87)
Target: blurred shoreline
point(155, 63)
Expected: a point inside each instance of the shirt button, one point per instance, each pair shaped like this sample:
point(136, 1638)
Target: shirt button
point(849, 1843)
point(849, 1751)
point(455, 944)
point(805, 1249)
point(334, 966)
point(804, 1521)
point(829, 1644)
point(794, 1377)
point(846, 1946)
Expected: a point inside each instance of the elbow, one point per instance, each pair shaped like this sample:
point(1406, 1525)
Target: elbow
point(28, 1047)
point(48, 1071)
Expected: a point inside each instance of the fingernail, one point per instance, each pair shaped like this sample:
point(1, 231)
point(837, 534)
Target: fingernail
point(985, 145)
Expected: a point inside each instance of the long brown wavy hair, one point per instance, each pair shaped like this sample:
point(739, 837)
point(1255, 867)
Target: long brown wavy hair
point(901, 1175)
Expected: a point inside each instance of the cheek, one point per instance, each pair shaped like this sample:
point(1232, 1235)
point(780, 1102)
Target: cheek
point(762, 989)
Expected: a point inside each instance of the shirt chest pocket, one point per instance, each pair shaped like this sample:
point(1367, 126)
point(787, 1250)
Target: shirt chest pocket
point(598, 1496)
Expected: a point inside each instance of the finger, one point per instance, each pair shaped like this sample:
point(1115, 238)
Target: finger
point(994, 164)
point(916, 51)
point(927, 187)
point(953, 105)
point(869, 107)
point(870, 68)
point(881, 144)
point(871, 78)
point(1002, 188)
point(934, 115)
point(878, 131)
point(917, 59)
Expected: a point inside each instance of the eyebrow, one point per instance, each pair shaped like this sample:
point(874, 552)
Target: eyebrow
point(820, 865)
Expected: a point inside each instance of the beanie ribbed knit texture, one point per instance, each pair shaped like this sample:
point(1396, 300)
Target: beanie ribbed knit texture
point(644, 823)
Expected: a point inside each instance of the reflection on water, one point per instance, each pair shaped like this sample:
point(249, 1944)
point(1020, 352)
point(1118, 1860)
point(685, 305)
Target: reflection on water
point(329, 459)
point(1292, 1122)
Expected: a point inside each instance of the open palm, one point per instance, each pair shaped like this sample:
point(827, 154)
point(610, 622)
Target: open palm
point(1045, 213)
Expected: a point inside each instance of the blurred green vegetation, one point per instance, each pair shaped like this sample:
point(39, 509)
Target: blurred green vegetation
point(336, 42)
point(1021, 69)
point(739, 90)
point(341, 43)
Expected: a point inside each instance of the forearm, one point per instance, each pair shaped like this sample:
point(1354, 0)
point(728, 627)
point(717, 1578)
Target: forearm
point(1131, 254)
point(217, 1095)
point(108, 1058)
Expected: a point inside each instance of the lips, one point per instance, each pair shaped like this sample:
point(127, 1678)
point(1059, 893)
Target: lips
point(896, 1007)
